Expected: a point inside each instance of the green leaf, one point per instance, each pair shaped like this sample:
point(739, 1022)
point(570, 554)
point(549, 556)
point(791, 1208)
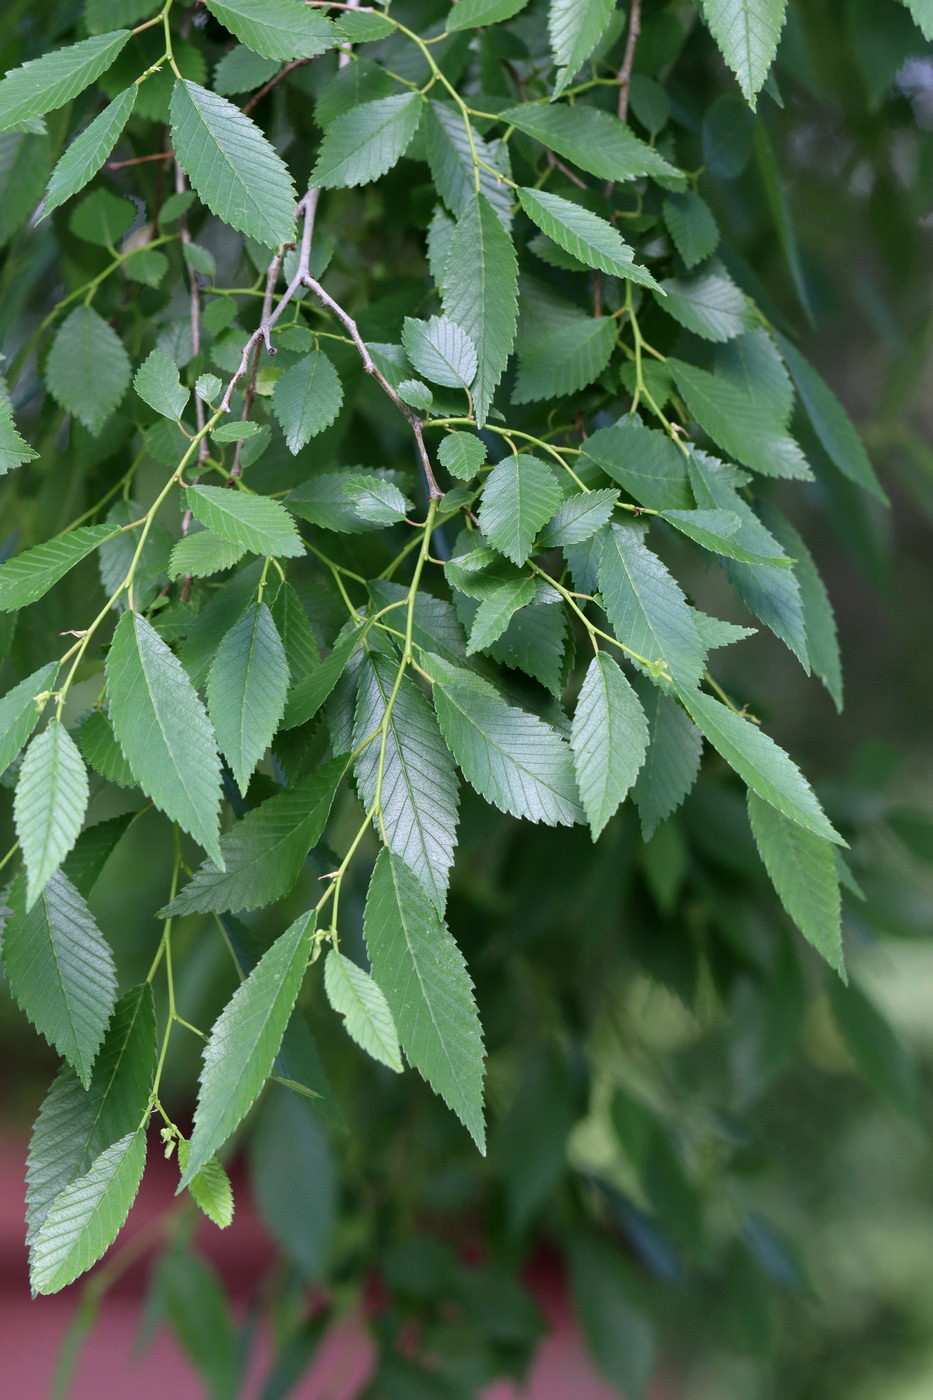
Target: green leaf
point(747, 32)
point(362, 144)
point(480, 293)
point(361, 1002)
point(830, 422)
point(19, 711)
point(876, 1049)
point(245, 1040)
point(513, 759)
point(264, 852)
point(324, 501)
point(593, 140)
point(210, 1188)
point(76, 1124)
point(419, 797)
point(185, 1291)
point(307, 399)
point(691, 225)
point(92, 850)
point(49, 82)
point(470, 14)
point(49, 806)
point(421, 971)
point(462, 454)
point(87, 152)
point(818, 616)
point(100, 750)
point(363, 28)
point(301, 649)
point(922, 11)
point(86, 1218)
point(535, 641)
point(575, 27)
point(710, 305)
point(496, 611)
point(586, 346)
point(203, 553)
point(520, 495)
point(246, 689)
point(276, 28)
point(735, 423)
point(759, 762)
point(88, 370)
point(609, 739)
point(242, 70)
point(578, 518)
point(14, 450)
point(101, 218)
point(802, 867)
point(449, 148)
point(163, 730)
point(619, 1334)
point(646, 605)
point(116, 555)
point(157, 384)
point(293, 1176)
point(309, 693)
point(441, 351)
point(378, 501)
point(258, 523)
point(235, 432)
point(672, 763)
point(585, 236)
point(60, 970)
point(231, 165)
point(713, 529)
point(645, 463)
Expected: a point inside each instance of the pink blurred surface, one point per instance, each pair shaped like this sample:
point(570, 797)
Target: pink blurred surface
point(31, 1330)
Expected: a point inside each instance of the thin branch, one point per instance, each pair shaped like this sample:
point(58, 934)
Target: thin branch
point(273, 82)
point(343, 57)
point(628, 60)
point(138, 160)
point(272, 277)
point(195, 313)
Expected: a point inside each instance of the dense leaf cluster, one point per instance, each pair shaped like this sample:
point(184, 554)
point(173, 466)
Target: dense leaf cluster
point(443, 556)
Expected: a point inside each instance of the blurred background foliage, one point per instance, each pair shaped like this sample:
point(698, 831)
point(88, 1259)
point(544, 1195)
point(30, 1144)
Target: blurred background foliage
point(731, 1152)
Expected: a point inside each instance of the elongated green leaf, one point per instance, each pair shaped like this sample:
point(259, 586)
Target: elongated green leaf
point(87, 153)
point(575, 28)
point(244, 1042)
point(422, 973)
point(242, 70)
point(480, 293)
point(645, 463)
point(19, 711)
point(450, 150)
point(92, 850)
point(646, 606)
point(586, 345)
point(496, 611)
point(54, 79)
point(672, 763)
point(210, 1188)
point(876, 1049)
point(593, 140)
point(759, 762)
point(281, 29)
point(30, 575)
point(469, 14)
point(819, 618)
point(440, 350)
point(88, 370)
point(747, 32)
point(362, 144)
point(76, 1124)
point(519, 497)
point(511, 758)
point(264, 852)
point(609, 739)
point(419, 797)
point(157, 384)
point(619, 1334)
point(14, 450)
point(309, 692)
point(362, 1004)
point(203, 553)
point(60, 970)
point(691, 225)
point(163, 730)
point(578, 518)
point(802, 867)
point(86, 1218)
point(714, 530)
point(586, 236)
point(831, 423)
point(49, 806)
point(246, 690)
point(231, 165)
point(307, 399)
point(301, 649)
point(710, 305)
point(258, 523)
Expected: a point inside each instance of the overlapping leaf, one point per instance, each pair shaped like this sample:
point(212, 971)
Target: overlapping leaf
point(585, 235)
point(362, 144)
point(87, 153)
point(257, 523)
point(363, 1006)
point(520, 495)
point(575, 27)
point(307, 399)
point(49, 82)
point(609, 739)
point(19, 712)
point(646, 605)
point(88, 370)
point(246, 689)
point(49, 806)
point(593, 140)
point(157, 384)
point(747, 32)
point(480, 294)
point(277, 29)
point(802, 867)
